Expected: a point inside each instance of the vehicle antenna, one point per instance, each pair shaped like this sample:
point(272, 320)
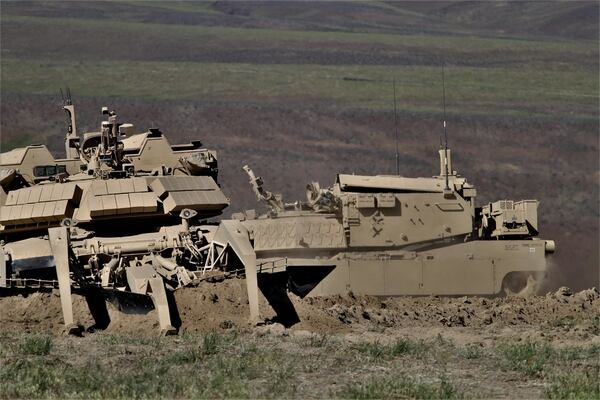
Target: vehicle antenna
point(396, 129)
point(445, 131)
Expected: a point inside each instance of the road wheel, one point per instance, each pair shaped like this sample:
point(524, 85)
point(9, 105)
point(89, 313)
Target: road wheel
point(521, 283)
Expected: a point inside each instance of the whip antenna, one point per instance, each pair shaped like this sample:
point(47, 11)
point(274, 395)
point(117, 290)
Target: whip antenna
point(396, 129)
point(447, 188)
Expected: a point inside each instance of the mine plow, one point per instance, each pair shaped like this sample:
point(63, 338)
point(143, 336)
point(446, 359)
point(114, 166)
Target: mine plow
point(100, 269)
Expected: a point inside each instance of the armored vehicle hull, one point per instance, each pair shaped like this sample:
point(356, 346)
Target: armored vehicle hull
point(447, 267)
point(393, 236)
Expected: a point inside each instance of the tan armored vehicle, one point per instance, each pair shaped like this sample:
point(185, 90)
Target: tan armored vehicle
point(118, 213)
point(390, 236)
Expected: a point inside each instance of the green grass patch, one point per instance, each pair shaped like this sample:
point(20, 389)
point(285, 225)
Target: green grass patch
point(231, 365)
point(202, 366)
point(529, 358)
point(565, 322)
point(596, 326)
point(201, 7)
point(469, 90)
point(318, 341)
point(576, 384)
point(37, 345)
point(400, 387)
point(577, 353)
point(485, 75)
point(109, 339)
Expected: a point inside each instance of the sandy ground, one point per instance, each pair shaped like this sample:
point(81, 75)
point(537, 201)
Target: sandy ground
point(560, 316)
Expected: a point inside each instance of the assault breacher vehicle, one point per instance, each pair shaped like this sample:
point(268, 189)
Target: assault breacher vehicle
point(390, 236)
point(117, 214)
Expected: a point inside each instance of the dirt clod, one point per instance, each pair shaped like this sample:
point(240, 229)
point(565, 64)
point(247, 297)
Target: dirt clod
point(564, 291)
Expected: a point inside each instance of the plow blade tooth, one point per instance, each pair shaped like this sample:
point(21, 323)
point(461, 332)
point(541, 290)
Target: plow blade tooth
point(59, 243)
point(159, 297)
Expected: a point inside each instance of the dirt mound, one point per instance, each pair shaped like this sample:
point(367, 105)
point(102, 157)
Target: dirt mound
point(463, 311)
point(39, 312)
point(224, 305)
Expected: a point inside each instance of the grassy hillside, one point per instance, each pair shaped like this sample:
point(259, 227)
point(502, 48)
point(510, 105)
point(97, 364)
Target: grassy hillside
point(490, 91)
point(302, 91)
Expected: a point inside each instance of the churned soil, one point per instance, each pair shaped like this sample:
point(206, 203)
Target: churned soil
point(220, 306)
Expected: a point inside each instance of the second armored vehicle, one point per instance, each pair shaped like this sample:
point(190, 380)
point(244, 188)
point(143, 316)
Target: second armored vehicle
point(392, 235)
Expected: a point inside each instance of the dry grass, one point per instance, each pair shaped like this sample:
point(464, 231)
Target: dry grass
point(235, 365)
